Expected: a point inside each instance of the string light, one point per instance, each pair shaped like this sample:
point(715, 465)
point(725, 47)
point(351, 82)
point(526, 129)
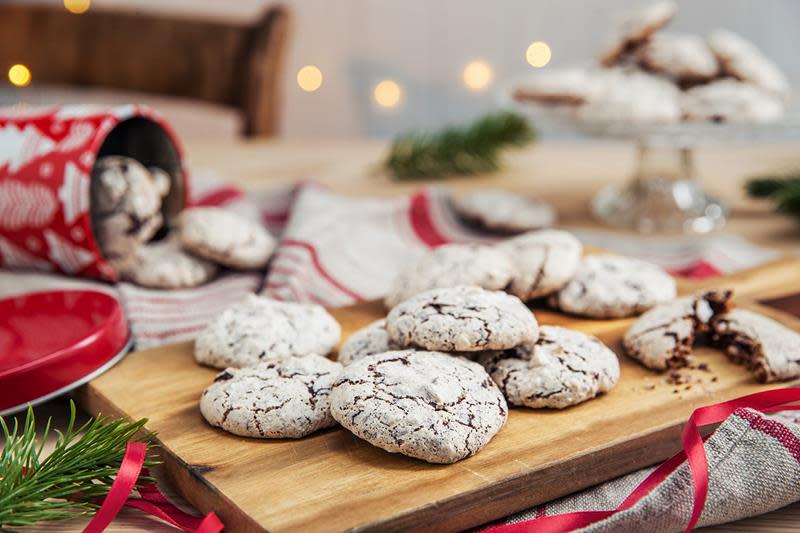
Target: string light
point(19, 75)
point(77, 6)
point(387, 93)
point(477, 75)
point(538, 54)
point(309, 78)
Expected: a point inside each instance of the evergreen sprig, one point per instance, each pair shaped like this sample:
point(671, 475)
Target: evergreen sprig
point(70, 481)
point(783, 190)
point(469, 149)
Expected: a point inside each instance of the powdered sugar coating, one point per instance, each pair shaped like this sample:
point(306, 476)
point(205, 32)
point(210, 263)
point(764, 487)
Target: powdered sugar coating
point(743, 60)
point(452, 265)
point(562, 368)
point(504, 211)
point(467, 319)
point(273, 400)
point(225, 237)
point(765, 345)
point(165, 265)
point(369, 340)
point(612, 286)
point(544, 261)
point(636, 28)
point(260, 329)
point(680, 56)
point(729, 100)
point(427, 405)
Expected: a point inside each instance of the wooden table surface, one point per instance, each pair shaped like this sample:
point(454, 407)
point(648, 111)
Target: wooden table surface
point(566, 174)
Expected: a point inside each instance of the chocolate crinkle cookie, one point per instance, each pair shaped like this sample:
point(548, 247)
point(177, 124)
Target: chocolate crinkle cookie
point(452, 265)
point(467, 319)
point(765, 346)
point(260, 329)
point(289, 398)
point(663, 337)
point(426, 405)
point(562, 368)
point(504, 211)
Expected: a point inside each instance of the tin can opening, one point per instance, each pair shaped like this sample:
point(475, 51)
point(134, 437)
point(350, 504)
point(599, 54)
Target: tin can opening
point(142, 139)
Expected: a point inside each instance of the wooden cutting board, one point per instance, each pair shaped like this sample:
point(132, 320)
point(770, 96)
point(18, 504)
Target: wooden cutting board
point(334, 481)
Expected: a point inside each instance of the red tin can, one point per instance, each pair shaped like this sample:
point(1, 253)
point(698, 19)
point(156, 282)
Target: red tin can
point(46, 160)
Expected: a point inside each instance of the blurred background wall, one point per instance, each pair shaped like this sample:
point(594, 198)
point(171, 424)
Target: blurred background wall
point(423, 46)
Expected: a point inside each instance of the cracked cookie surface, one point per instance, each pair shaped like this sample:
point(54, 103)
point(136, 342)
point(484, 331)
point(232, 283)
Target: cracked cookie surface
point(744, 61)
point(564, 367)
point(452, 265)
point(636, 29)
point(467, 319)
point(504, 211)
point(369, 340)
point(544, 261)
point(225, 237)
point(663, 336)
point(765, 346)
point(289, 398)
point(426, 405)
point(260, 329)
point(165, 265)
point(612, 286)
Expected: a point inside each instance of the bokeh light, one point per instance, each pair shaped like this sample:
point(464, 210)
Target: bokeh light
point(77, 6)
point(538, 54)
point(477, 75)
point(309, 78)
point(19, 75)
point(387, 93)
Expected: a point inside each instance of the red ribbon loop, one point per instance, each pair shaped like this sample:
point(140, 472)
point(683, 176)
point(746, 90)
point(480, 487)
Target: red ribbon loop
point(151, 500)
point(693, 450)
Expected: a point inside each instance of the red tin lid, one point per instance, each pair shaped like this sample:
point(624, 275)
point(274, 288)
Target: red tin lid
point(52, 342)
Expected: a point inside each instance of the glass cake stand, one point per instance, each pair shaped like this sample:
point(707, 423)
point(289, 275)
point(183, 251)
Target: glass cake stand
point(664, 195)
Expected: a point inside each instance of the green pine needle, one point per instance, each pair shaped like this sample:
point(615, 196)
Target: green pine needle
point(72, 479)
point(470, 149)
point(783, 190)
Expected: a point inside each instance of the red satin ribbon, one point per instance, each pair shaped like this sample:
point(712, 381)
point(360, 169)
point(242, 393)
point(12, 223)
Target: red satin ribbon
point(151, 500)
point(693, 450)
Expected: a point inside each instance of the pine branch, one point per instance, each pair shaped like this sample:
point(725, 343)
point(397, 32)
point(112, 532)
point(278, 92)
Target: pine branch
point(471, 149)
point(783, 190)
point(70, 481)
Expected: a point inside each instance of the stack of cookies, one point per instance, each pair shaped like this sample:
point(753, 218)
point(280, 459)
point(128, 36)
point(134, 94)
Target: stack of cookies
point(541, 264)
point(129, 222)
point(649, 76)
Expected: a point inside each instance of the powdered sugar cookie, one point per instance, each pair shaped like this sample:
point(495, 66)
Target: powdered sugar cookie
point(663, 336)
point(260, 329)
point(369, 340)
point(225, 237)
point(571, 86)
point(743, 60)
point(165, 265)
point(766, 346)
point(729, 100)
point(426, 405)
point(562, 368)
point(632, 96)
point(612, 286)
point(504, 211)
point(273, 400)
point(636, 28)
point(544, 261)
point(449, 266)
point(467, 319)
point(686, 58)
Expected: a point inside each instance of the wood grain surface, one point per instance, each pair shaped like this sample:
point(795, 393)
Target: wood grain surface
point(334, 481)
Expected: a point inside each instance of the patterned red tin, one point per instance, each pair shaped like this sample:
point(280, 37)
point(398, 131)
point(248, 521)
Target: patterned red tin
point(46, 160)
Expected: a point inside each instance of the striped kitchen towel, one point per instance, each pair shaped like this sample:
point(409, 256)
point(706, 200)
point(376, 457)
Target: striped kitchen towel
point(337, 250)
